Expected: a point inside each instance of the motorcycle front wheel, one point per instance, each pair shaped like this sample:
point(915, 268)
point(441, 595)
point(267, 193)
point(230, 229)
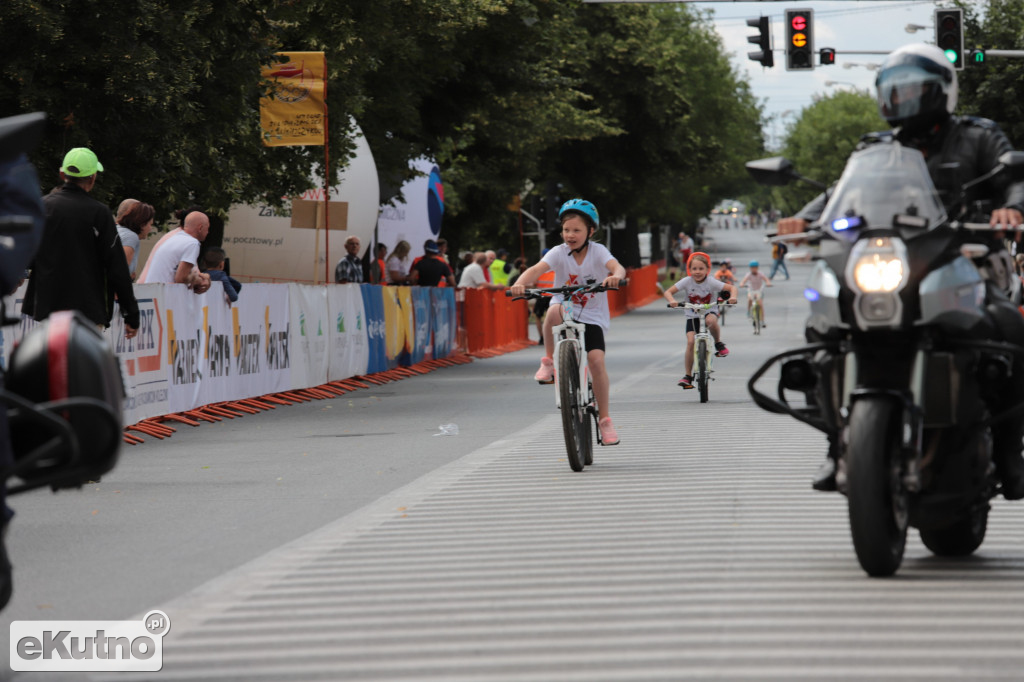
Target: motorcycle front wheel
point(877, 500)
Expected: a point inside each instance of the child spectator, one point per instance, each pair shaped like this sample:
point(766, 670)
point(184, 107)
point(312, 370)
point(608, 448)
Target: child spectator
point(213, 261)
point(699, 288)
point(755, 281)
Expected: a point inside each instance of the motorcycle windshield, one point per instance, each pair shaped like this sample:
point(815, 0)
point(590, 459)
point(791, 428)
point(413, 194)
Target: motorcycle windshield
point(882, 181)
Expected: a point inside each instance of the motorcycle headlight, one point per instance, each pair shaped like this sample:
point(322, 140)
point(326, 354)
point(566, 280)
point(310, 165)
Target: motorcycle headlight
point(878, 265)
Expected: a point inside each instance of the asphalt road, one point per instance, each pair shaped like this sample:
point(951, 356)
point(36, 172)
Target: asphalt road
point(345, 539)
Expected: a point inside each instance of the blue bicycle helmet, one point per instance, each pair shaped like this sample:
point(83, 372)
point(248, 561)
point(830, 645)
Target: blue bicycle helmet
point(754, 263)
point(583, 207)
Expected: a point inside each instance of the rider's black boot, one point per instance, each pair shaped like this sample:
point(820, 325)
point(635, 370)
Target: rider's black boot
point(825, 479)
point(1010, 469)
point(1006, 455)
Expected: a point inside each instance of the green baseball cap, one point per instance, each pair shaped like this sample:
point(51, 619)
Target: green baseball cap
point(80, 162)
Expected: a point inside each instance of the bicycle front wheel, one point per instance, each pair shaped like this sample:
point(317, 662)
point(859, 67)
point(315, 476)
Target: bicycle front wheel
point(702, 370)
point(574, 424)
point(758, 317)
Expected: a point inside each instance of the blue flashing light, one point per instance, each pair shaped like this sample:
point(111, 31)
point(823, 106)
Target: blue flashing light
point(841, 224)
point(811, 295)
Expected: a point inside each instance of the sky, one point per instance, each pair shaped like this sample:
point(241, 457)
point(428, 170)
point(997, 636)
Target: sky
point(848, 26)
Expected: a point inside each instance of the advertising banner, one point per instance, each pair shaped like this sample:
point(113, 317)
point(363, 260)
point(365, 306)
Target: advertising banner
point(443, 322)
point(349, 348)
point(292, 110)
point(373, 307)
point(422, 312)
point(399, 325)
point(310, 338)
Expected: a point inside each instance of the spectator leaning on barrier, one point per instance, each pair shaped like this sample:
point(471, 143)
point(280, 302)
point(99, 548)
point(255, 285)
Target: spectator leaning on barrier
point(349, 269)
point(213, 265)
point(431, 271)
point(398, 264)
point(473, 276)
point(175, 257)
point(80, 263)
point(134, 223)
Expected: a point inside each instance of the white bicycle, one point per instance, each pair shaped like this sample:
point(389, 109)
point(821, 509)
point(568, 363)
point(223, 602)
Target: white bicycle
point(703, 346)
point(574, 389)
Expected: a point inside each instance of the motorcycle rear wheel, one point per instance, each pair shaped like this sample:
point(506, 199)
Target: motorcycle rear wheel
point(959, 539)
point(877, 500)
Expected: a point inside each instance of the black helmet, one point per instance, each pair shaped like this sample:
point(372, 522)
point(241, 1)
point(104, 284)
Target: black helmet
point(63, 395)
point(916, 87)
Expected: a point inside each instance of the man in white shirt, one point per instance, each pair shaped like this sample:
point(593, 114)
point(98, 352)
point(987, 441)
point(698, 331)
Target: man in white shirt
point(473, 276)
point(174, 258)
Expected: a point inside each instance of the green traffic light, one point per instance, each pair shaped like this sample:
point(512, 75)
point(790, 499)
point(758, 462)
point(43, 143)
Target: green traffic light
point(951, 55)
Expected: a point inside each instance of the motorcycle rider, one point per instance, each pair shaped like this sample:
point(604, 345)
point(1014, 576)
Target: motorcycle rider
point(917, 93)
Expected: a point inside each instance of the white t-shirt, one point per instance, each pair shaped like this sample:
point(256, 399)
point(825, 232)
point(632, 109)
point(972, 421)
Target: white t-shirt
point(690, 290)
point(755, 282)
point(472, 276)
point(165, 257)
point(401, 265)
point(131, 240)
point(589, 308)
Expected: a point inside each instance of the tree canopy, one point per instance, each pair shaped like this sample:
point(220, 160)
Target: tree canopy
point(636, 106)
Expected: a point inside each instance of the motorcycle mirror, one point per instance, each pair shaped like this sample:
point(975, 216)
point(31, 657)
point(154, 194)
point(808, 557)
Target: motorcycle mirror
point(1014, 162)
point(20, 134)
point(776, 171)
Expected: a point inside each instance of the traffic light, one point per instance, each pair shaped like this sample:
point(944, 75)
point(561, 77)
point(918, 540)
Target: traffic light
point(949, 35)
point(799, 39)
point(978, 56)
point(763, 40)
point(828, 56)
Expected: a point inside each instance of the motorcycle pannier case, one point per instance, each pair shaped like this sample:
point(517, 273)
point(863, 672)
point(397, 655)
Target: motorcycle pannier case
point(64, 394)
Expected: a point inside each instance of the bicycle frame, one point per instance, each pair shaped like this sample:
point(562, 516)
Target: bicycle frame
point(570, 331)
point(703, 310)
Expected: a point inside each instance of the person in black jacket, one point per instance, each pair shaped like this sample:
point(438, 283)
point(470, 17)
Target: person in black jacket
point(80, 264)
point(917, 93)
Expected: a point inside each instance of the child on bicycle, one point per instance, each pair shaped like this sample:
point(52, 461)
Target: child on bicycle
point(724, 272)
point(755, 281)
point(578, 261)
point(699, 288)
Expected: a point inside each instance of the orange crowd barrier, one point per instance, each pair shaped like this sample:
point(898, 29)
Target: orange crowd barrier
point(490, 320)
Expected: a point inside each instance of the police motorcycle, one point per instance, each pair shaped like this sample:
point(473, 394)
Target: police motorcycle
point(62, 387)
point(910, 366)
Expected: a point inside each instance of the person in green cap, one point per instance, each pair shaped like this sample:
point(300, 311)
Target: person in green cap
point(80, 264)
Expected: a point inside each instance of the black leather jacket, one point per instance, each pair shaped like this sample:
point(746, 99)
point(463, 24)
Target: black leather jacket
point(973, 144)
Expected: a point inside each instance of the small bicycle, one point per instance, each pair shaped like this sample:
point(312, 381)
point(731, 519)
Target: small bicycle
point(757, 310)
point(574, 390)
point(703, 346)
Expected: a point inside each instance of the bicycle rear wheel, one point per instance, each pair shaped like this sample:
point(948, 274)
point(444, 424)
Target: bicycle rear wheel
point(574, 417)
point(702, 370)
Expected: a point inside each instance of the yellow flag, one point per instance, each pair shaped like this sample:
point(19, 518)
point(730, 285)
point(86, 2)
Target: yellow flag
point(293, 110)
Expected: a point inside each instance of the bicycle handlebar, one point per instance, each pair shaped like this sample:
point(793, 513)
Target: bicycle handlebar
point(595, 287)
point(698, 306)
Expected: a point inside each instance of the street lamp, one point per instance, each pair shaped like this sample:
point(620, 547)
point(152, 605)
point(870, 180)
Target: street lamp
point(831, 83)
point(914, 28)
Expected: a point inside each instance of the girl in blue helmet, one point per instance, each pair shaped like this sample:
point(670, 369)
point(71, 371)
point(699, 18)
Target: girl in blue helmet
point(755, 281)
point(575, 261)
